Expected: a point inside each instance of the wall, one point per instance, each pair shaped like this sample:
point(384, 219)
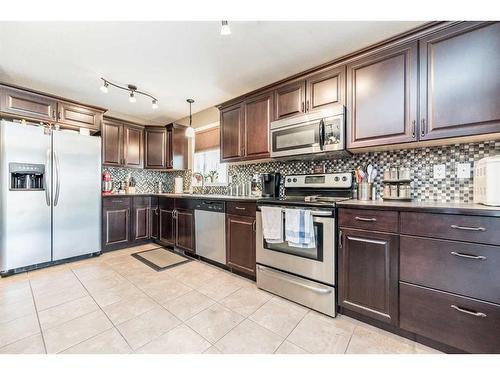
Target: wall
point(420, 162)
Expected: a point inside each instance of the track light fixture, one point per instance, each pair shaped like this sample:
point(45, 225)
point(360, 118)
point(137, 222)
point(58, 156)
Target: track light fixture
point(132, 89)
point(225, 30)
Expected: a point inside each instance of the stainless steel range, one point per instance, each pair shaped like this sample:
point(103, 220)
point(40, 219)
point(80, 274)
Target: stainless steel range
point(304, 275)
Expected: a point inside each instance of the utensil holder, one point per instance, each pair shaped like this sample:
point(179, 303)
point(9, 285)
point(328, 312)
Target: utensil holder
point(364, 191)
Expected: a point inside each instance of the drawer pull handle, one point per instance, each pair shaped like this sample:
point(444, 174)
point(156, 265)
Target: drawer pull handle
point(461, 255)
point(240, 208)
point(473, 313)
point(370, 219)
point(475, 229)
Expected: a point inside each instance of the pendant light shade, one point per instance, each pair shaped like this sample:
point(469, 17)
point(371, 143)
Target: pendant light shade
point(190, 130)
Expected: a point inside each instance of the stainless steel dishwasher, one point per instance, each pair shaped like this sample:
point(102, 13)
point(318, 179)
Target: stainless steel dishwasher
point(210, 223)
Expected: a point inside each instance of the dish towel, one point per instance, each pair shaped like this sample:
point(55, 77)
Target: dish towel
point(299, 228)
point(272, 224)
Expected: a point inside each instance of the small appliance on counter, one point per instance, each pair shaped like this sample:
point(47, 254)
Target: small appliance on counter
point(107, 183)
point(270, 185)
point(178, 185)
point(487, 181)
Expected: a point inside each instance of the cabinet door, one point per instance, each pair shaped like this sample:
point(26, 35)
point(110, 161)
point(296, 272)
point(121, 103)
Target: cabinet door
point(240, 243)
point(116, 224)
point(368, 274)
point(155, 155)
point(326, 89)
point(382, 98)
point(459, 81)
point(167, 226)
point(231, 122)
point(78, 116)
point(154, 222)
point(289, 100)
point(185, 230)
point(112, 143)
point(24, 104)
point(133, 146)
point(178, 147)
point(141, 224)
point(258, 116)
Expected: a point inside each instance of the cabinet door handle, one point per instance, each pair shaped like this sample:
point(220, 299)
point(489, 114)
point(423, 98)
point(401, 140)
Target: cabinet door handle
point(254, 226)
point(340, 239)
point(468, 256)
point(473, 313)
point(54, 114)
point(240, 208)
point(302, 107)
point(413, 125)
point(307, 106)
point(369, 219)
point(474, 229)
point(422, 130)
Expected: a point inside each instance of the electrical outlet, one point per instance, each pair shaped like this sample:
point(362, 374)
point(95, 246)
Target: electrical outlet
point(439, 171)
point(463, 170)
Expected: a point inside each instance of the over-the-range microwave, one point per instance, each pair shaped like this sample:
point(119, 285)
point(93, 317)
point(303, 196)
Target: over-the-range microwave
point(311, 134)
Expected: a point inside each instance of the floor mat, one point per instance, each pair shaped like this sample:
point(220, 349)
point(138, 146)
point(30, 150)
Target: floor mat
point(160, 259)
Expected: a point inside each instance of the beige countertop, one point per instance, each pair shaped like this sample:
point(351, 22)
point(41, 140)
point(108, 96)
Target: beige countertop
point(439, 207)
point(187, 195)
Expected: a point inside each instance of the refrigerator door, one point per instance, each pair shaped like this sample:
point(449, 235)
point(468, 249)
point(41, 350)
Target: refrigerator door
point(24, 215)
point(76, 220)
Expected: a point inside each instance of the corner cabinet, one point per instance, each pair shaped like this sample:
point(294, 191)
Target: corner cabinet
point(382, 97)
point(459, 81)
point(122, 144)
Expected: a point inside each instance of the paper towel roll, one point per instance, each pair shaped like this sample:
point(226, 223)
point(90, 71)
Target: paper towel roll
point(179, 185)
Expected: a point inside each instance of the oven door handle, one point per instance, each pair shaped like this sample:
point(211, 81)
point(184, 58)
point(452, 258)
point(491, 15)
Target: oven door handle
point(293, 281)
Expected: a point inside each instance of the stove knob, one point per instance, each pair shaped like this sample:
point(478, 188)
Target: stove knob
point(344, 178)
point(337, 179)
point(294, 180)
point(288, 180)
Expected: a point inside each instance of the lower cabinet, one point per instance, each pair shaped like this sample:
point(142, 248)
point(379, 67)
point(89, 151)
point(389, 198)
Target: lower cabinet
point(154, 228)
point(184, 226)
point(240, 243)
point(368, 273)
point(115, 223)
point(176, 223)
point(166, 221)
point(141, 219)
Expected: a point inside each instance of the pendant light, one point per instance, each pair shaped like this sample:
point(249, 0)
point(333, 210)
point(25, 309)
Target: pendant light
point(190, 129)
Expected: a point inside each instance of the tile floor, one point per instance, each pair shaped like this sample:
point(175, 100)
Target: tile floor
point(116, 304)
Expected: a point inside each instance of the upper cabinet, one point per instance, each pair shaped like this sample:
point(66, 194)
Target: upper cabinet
point(289, 99)
point(460, 81)
point(31, 106)
point(122, 144)
point(155, 151)
point(382, 97)
point(231, 132)
point(177, 147)
point(325, 89)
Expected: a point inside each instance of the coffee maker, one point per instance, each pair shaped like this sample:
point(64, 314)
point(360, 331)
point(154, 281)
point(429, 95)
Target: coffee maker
point(270, 185)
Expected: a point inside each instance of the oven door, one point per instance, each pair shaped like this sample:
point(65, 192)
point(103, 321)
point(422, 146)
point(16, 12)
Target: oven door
point(317, 263)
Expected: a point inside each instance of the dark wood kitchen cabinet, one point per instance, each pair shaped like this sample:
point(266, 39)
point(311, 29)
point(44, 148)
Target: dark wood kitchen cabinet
point(154, 229)
point(368, 273)
point(240, 243)
point(231, 132)
point(77, 116)
point(258, 115)
point(184, 227)
point(289, 99)
point(166, 221)
point(141, 218)
point(122, 144)
point(155, 147)
point(177, 147)
point(325, 89)
point(459, 81)
point(116, 223)
point(382, 97)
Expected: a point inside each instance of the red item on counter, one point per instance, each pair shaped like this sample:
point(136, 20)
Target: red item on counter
point(107, 183)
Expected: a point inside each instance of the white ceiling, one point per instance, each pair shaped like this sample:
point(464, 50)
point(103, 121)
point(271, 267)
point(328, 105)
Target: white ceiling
point(172, 60)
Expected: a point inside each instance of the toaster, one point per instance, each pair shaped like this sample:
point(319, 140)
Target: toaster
point(487, 181)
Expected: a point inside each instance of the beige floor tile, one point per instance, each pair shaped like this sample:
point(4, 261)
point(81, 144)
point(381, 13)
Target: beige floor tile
point(246, 301)
point(221, 286)
point(107, 342)
point(50, 280)
point(29, 345)
point(91, 271)
point(100, 283)
point(180, 340)
point(188, 305)
point(193, 274)
point(76, 331)
point(279, 315)
point(148, 326)
point(249, 338)
point(212, 350)
point(165, 290)
point(13, 279)
point(18, 329)
point(65, 312)
point(11, 292)
point(320, 334)
point(10, 310)
point(371, 340)
point(109, 296)
point(288, 348)
point(214, 322)
point(58, 296)
point(126, 309)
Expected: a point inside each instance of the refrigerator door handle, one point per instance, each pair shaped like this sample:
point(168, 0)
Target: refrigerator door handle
point(58, 181)
point(45, 185)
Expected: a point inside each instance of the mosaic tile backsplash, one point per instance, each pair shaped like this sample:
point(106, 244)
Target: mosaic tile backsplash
point(420, 161)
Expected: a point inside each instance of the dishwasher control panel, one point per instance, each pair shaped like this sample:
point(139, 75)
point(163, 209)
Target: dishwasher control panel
point(214, 206)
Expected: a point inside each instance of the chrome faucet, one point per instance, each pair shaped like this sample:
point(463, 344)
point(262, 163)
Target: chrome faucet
point(198, 174)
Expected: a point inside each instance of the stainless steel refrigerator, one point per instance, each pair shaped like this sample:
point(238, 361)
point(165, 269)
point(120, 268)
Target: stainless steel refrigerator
point(50, 196)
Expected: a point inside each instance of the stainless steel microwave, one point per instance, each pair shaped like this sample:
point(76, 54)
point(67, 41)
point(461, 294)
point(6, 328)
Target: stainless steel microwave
point(309, 134)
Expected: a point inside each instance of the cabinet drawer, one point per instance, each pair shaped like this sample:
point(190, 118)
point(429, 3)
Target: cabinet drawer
point(185, 203)
point(457, 267)
point(460, 322)
point(241, 208)
point(384, 221)
point(166, 203)
point(479, 229)
point(116, 202)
